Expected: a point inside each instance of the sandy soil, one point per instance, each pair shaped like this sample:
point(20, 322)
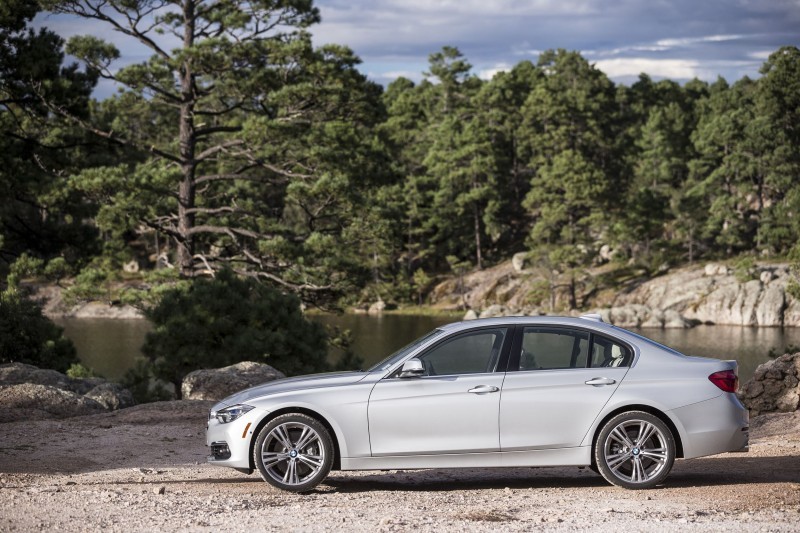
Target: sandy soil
point(143, 469)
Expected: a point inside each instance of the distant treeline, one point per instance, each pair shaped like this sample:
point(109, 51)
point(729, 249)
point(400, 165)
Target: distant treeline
point(248, 147)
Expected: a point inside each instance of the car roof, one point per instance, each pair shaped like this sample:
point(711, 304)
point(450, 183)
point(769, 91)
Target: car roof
point(586, 321)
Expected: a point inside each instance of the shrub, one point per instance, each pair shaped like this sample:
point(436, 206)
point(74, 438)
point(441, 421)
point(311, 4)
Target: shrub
point(27, 336)
point(226, 320)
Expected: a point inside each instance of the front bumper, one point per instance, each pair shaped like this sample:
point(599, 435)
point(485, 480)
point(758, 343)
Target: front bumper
point(230, 443)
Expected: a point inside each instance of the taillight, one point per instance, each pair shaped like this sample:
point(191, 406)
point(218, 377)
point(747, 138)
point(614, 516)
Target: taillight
point(727, 380)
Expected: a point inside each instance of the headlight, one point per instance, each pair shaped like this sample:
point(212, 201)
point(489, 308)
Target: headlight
point(229, 414)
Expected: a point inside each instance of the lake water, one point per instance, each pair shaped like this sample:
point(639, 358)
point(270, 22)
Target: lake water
point(110, 346)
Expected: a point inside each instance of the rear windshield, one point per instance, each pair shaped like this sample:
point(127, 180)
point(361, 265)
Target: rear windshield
point(654, 343)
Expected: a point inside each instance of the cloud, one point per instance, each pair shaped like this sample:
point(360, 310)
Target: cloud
point(657, 68)
point(688, 41)
point(665, 38)
point(489, 73)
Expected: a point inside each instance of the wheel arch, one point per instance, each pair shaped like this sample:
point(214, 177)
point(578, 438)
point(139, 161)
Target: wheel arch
point(647, 409)
point(337, 462)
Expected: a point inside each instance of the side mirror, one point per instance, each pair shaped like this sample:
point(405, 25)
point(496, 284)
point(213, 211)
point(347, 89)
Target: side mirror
point(412, 368)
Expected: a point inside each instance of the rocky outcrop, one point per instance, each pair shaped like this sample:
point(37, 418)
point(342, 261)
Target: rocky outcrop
point(774, 387)
point(53, 305)
point(642, 316)
point(713, 295)
point(706, 294)
point(50, 394)
point(216, 384)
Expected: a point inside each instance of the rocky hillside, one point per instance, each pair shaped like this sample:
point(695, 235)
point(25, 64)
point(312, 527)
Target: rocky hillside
point(703, 294)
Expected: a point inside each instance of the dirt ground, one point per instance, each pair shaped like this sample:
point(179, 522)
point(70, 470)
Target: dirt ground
point(143, 469)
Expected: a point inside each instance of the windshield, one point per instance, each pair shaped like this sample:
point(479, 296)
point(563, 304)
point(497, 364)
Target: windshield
point(402, 352)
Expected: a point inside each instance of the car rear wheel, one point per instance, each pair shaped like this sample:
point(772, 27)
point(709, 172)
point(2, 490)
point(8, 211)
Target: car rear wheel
point(635, 450)
point(293, 452)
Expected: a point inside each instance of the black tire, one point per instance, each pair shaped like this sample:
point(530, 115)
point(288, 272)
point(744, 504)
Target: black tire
point(293, 452)
point(635, 450)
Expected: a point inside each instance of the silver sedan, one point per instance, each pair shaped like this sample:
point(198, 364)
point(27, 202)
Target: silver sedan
point(504, 392)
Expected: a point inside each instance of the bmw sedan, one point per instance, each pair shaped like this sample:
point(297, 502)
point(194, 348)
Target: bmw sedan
point(501, 392)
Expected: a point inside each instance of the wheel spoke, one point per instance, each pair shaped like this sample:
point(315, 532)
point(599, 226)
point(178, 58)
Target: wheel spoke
point(637, 474)
point(291, 477)
point(282, 436)
point(645, 431)
point(307, 437)
point(658, 454)
point(269, 459)
point(620, 436)
point(616, 461)
point(314, 461)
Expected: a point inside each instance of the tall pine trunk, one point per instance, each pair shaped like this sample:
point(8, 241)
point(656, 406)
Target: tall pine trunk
point(187, 139)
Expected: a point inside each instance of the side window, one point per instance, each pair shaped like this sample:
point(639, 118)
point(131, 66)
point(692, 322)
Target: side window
point(608, 353)
point(470, 353)
point(551, 348)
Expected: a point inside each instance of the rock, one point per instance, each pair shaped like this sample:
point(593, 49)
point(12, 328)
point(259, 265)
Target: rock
point(377, 308)
point(470, 315)
point(216, 384)
point(774, 387)
point(518, 261)
point(674, 320)
point(629, 316)
point(715, 269)
point(18, 373)
point(31, 401)
point(111, 396)
point(494, 311)
point(770, 307)
point(131, 267)
point(606, 253)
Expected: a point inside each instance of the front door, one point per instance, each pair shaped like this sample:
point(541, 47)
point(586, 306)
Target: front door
point(452, 408)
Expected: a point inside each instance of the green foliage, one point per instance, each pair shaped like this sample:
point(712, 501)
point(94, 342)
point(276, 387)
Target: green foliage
point(421, 282)
point(538, 293)
point(77, 371)
point(342, 343)
point(745, 269)
point(27, 336)
point(258, 160)
point(282, 161)
point(144, 385)
point(39, 215)
point(218, 322)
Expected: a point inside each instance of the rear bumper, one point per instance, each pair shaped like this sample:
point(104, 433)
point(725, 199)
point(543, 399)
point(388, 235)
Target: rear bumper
point(714, 426)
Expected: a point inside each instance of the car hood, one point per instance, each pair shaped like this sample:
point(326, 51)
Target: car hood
point(313, 381)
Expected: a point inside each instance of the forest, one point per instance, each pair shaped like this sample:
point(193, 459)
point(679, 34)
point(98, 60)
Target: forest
point(240, 145)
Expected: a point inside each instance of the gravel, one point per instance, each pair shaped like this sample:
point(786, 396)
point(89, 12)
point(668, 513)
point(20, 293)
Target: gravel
point(143, 469)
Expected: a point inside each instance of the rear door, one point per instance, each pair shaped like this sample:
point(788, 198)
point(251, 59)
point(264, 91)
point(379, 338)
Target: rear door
point(558, 381)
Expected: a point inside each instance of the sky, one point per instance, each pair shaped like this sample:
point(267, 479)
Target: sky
point(675, 39)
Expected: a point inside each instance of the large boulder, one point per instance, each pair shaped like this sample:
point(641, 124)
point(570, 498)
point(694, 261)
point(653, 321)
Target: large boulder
point(216, 384)
point(31, 401)
point(112, 396)
point(774, 387)
point(97, 391)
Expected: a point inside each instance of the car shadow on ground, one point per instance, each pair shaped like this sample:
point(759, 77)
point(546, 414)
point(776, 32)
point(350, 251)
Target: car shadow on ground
point(705, 472)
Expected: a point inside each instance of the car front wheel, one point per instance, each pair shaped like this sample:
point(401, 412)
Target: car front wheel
point(635, 450)
point(293, 452)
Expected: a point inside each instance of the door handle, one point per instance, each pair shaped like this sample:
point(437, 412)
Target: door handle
point(600, 381)
point(483, 389)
